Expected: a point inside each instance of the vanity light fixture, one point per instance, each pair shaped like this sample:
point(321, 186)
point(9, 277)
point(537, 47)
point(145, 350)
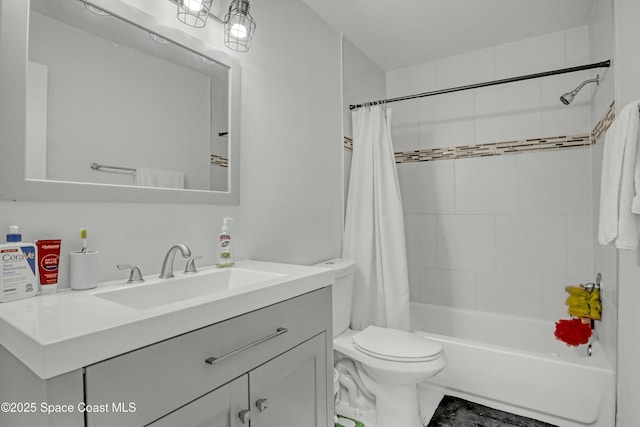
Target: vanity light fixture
point(239, 25)
point(194, 12)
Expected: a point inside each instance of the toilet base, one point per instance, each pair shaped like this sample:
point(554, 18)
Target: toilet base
point(396, 405)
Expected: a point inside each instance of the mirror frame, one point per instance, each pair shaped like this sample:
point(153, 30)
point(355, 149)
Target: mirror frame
point(14, 30)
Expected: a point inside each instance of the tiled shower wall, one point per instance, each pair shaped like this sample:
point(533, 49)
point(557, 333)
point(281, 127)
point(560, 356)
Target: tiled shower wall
point(521, 110)
point(502, 234)
point(506, 233)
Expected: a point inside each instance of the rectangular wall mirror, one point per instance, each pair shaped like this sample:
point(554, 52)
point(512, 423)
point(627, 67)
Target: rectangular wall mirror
point(119, 107)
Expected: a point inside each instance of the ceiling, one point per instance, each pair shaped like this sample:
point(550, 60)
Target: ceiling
point(400, 33)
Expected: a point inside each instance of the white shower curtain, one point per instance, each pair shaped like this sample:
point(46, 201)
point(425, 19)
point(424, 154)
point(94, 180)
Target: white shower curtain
point(374, 226)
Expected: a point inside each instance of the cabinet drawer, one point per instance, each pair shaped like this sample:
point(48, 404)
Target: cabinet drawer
point(167, 375)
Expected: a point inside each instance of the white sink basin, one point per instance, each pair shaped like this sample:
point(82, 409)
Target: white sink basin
point(159, 292)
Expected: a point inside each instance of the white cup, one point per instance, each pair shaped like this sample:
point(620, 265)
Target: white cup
point(83, 271)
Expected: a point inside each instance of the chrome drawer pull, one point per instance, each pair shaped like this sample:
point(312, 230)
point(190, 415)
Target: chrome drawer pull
point(279, 331)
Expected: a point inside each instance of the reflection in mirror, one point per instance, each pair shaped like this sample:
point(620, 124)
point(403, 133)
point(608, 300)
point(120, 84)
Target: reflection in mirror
point(111, 103)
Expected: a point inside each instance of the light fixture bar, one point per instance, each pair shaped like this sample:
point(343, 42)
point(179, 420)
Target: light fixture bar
point(239, 25)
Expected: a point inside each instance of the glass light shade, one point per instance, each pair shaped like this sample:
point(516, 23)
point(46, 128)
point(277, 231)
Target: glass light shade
point(194, 12)
point(239, 27)
point(238, 31)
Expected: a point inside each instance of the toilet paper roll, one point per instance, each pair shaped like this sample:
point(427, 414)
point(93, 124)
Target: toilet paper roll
point(83, 271)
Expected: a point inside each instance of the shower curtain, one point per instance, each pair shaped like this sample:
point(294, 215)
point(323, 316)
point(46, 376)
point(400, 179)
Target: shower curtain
point(374, 226)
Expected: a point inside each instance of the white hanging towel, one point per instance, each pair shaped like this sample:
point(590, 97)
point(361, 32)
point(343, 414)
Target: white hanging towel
point(374, 227)
point(620, 183)
point(147, 177)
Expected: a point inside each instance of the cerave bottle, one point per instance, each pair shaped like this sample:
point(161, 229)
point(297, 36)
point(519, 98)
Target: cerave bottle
point(19, 275)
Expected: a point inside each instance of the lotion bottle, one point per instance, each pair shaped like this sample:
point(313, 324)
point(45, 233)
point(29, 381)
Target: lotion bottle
point(18, 272)
point(224, 246)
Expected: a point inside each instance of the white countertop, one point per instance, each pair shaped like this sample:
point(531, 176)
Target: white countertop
point(55, 334)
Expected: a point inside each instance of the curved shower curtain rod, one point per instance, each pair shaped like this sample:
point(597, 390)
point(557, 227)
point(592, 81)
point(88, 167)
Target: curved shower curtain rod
point(603, 64)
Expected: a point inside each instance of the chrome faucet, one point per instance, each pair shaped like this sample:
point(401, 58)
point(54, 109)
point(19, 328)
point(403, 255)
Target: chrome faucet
point(135, 276)
point(167, 273)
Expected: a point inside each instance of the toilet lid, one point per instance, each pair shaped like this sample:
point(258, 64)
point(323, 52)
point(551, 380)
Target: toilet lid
point(392, 344)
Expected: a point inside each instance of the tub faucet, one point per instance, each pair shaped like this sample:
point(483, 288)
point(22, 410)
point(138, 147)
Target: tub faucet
point(166, 272)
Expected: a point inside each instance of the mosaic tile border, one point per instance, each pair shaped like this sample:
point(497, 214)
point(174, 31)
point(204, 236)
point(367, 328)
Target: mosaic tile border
point(348, 143)
point(219, 161)
point(604, 123)
point(494, 149)
point(507, 147)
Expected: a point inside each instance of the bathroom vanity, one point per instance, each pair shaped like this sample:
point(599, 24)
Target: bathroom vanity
point(254, 350)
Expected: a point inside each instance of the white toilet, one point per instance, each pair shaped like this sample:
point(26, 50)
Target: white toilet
point(390, 363)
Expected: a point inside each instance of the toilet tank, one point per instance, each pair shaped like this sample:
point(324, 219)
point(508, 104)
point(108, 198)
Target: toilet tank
point(342, 292)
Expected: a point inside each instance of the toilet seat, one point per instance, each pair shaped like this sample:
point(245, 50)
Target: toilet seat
point(386, 371)
point(395, 345)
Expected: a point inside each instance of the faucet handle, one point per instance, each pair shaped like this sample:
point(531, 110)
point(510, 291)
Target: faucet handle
point(191, 264)
point(135, 276)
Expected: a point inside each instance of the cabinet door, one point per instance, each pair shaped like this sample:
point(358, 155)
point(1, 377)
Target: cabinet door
point(220, 408)
point(290, 390)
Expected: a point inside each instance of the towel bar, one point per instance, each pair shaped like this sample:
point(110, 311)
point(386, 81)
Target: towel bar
point(97, 167)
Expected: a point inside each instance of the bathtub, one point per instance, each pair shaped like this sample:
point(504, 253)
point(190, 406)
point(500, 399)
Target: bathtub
point(516, 364)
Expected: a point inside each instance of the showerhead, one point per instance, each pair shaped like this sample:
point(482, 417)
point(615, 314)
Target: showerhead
point(567, 98)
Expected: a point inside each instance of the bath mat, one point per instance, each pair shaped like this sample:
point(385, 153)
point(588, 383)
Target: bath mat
point(456, 412)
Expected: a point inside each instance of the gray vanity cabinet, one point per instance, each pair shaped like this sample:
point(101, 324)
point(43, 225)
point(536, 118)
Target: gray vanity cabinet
point(220, 408)
point(288, 390)
point(273, 346)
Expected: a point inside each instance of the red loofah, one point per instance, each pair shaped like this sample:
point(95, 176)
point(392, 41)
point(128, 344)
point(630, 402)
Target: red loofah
point(573, 332)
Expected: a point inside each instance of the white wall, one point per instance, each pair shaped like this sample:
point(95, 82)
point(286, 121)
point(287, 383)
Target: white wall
point(626, 36)
point(501, 234)
point(290, 207)
point(363, 81)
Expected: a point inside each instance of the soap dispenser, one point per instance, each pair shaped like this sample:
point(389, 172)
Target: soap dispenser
point(224, 242)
